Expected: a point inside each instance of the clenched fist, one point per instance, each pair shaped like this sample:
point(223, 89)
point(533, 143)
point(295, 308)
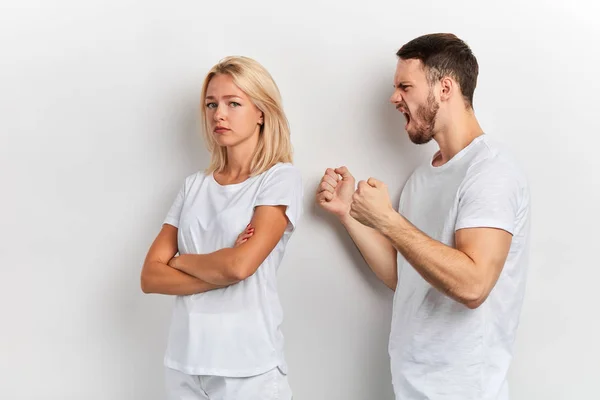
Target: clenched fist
point(334, 193)
point(371, 205)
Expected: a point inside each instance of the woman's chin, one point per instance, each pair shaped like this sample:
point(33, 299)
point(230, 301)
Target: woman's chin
point(232, 140)
point(224, 140)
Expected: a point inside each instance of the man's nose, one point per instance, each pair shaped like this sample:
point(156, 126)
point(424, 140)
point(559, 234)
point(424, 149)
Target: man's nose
point(396, 98)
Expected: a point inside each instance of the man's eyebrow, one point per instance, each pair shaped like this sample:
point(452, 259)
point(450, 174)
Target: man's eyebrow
point(402, 83)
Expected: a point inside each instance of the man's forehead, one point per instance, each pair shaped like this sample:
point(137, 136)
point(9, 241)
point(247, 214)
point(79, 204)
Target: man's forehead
point(411, 69)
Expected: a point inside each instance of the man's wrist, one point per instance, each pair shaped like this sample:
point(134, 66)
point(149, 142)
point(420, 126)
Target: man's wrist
point(391, 221)
point(345, 219)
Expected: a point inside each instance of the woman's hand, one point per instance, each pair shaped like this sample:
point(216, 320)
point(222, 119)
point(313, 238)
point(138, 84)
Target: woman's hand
point(244, 236)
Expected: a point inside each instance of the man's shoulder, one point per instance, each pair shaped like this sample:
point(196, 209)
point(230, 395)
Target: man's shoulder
point(495, 173)
point(495, 160)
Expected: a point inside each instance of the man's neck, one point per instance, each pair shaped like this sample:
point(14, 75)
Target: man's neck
point(457, 134)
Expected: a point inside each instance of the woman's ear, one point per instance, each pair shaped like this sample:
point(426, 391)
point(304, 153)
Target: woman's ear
point(261, 119)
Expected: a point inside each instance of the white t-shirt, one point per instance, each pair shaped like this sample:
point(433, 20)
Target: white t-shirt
point(233, 331)
point(439, 348)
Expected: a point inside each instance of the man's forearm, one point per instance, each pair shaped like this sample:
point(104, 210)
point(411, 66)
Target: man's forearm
point(449, 270)
point(163, 279)
point(376, 250)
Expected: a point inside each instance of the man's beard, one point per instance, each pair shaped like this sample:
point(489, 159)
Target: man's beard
point(425, 121)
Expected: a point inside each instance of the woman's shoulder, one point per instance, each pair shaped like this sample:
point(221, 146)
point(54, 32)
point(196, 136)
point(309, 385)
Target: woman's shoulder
point(284, 168)
point(282, 172)
point(195, 178)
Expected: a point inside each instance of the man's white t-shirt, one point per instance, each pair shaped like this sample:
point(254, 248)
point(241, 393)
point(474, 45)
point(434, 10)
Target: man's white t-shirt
point(233, 331)
point(439, 348)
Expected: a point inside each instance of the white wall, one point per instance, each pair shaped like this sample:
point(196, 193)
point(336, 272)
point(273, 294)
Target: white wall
point(98, 127)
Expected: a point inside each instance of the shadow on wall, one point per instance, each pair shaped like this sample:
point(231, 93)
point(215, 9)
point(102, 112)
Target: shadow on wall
point(387, 154)
point(396, 157)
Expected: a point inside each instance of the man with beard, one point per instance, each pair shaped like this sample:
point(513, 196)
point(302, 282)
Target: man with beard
point(461, 231)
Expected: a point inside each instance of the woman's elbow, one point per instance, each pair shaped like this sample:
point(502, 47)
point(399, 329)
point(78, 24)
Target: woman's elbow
point(147, 282)
point(240, 269)
point(237, 274)
point(145, 285)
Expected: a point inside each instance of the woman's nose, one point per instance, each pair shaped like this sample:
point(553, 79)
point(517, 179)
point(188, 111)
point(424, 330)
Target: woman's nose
point(219, 113)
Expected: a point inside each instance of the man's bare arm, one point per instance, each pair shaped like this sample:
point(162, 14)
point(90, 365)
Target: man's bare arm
point(376, 249)
point(466, 273)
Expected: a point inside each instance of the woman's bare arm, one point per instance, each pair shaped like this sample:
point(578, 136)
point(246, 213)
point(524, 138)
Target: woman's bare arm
point(158, 277)
point(231, 265)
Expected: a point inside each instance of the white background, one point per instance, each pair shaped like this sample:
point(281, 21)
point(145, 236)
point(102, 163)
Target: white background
point(98, 128)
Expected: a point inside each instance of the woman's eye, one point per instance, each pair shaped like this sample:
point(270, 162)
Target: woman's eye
point(211, 105)
point(234, 104)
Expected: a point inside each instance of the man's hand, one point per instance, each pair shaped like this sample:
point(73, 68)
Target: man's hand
point(371, 205)
point(334, 193)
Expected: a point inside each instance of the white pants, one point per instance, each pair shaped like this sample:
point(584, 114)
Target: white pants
point(272, 385)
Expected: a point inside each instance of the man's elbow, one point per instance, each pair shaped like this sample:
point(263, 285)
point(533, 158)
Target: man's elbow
point(474, 304)
point(474, 297)
point(392, 283)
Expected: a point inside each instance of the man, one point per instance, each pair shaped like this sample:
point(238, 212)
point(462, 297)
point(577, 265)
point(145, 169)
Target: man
point(461, 230)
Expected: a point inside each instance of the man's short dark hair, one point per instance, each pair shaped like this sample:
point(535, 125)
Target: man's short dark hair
point(444, 54)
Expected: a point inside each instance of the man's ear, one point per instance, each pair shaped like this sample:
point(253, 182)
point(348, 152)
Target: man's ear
point(448, 87)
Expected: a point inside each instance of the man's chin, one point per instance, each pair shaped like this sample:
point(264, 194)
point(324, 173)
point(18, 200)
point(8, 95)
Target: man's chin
point(419, 138)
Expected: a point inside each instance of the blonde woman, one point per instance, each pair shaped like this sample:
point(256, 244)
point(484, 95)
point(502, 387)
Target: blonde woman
point(230, 225)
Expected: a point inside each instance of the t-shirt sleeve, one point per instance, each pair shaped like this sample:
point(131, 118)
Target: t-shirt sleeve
point(175, 210)
point(283, 187)
point(490, 197)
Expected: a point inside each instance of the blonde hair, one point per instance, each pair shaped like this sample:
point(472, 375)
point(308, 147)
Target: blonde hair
point(274, 144)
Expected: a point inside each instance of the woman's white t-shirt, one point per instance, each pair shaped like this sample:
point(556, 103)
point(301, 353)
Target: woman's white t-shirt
point(234, 331)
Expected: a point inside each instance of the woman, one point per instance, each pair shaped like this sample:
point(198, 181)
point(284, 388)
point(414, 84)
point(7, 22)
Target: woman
point(230, 225)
